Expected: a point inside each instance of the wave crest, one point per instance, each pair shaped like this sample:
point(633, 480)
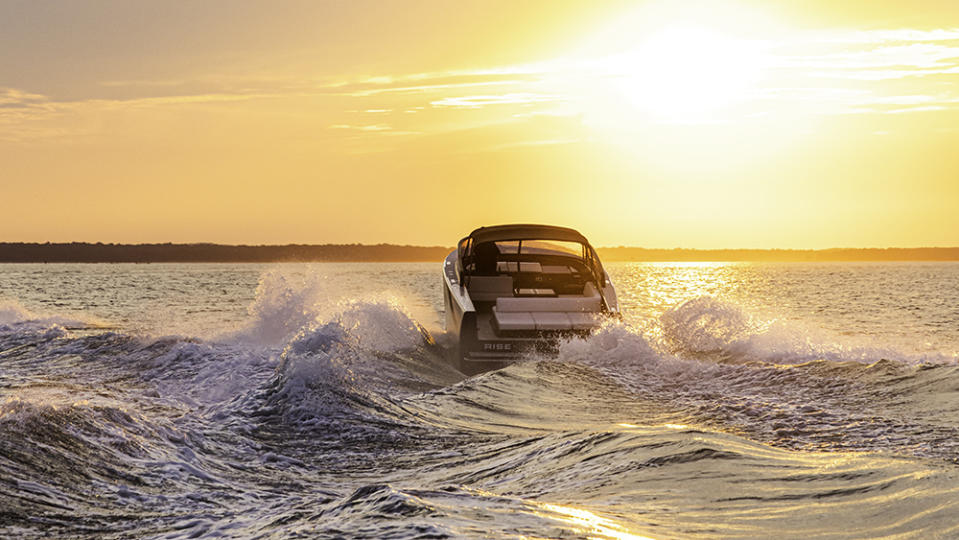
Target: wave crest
point(706, 325)
point(14, 315)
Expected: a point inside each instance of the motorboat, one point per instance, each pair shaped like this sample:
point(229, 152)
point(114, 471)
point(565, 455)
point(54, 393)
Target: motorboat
point(512, 290)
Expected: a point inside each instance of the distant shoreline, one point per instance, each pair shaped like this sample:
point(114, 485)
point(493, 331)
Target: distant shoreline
point(779, 255)
point(82, 252)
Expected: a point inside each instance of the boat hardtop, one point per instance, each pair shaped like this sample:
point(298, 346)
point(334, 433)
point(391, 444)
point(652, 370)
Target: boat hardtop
point(526, 231)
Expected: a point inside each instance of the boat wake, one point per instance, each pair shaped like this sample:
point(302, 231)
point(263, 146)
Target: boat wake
point(325, 416)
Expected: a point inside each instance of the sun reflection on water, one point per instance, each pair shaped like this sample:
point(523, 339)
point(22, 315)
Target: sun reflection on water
point(589, 524)
point(648, 290)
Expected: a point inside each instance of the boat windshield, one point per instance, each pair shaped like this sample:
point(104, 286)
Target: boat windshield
point(542, 247)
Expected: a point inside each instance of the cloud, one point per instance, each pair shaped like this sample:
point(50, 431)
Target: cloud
point(143, 83)
point(877, 71)
point(14, 102)
point(424, 88)
point(19, 115)
point(373, 127)
point(875, 55)
point(882, 63)
point(858, 101)
point(884, 74)
point(891, 71)
point(13, 97)
point(925, 108)
point(884, 36)
point(28, 116)
point(475, 102)
point(535, 143)
point(379, 129)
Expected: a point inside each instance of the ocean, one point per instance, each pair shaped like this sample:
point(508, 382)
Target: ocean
point(740, 400)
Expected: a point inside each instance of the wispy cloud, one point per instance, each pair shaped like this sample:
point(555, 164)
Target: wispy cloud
point(372, 127)
point(378, 129)
point(475, 102)
point(143, 83)
point(19, 112)
point(880, 63)
point(11, 97)
point(14, 102)
point(924, 108)
point(535, 143)
point(892, 71)
point(28, 116)
point(883, 35)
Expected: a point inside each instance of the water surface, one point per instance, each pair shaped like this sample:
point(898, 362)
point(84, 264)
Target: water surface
point(276, 401)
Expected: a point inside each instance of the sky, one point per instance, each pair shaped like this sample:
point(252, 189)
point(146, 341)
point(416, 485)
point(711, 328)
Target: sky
point(695, 124)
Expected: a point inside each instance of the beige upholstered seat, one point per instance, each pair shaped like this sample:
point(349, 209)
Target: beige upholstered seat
point(530, 267)
point(551, 320)
point(489, 288)
point(570, 312)
point(589, 302)
point(583, 321)
point(517, 320)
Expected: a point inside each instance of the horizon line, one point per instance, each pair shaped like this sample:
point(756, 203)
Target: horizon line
point(435, 246)
point(86, 252)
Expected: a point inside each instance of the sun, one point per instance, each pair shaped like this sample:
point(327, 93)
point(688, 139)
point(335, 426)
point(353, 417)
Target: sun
point(688, 73)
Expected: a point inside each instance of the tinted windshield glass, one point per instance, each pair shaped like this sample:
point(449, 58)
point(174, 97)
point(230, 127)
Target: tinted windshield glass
point(508, 246)
point(552, 247)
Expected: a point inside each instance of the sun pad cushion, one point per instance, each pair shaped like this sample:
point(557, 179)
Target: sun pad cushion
point(551, 321)
point(517, 320)
point(575, 303)
point(489, 288)
point(583, 321)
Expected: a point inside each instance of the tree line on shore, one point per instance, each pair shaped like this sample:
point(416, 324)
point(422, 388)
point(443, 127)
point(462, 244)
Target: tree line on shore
point(779, 255)
point(153, 253)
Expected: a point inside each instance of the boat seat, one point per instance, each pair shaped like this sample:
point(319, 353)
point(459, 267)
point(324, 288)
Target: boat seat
point(526, 320)
point(530, 267)
point(589, 302)
point(583, 321)
point(545, 320)
point(549, 313)
point(523, 266)
point(557, 270)
point(551, 320)
point(517, 320)
point(489, 288)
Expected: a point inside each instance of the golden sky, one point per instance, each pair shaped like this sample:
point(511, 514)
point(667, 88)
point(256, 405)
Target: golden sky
point(720, 124)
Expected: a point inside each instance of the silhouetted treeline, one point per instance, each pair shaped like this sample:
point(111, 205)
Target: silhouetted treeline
point(150, 253)
point(777, 255)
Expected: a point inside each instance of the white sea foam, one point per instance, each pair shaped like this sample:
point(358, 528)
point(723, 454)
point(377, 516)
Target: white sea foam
point(355, 343)
point(286, 302)
point(710, 325)
point(13, 313)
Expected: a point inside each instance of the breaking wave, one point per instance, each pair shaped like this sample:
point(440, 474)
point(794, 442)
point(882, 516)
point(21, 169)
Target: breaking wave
point(706, 325)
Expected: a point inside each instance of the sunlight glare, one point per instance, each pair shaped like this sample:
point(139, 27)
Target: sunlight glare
point(689, 73)
point(590, 524)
